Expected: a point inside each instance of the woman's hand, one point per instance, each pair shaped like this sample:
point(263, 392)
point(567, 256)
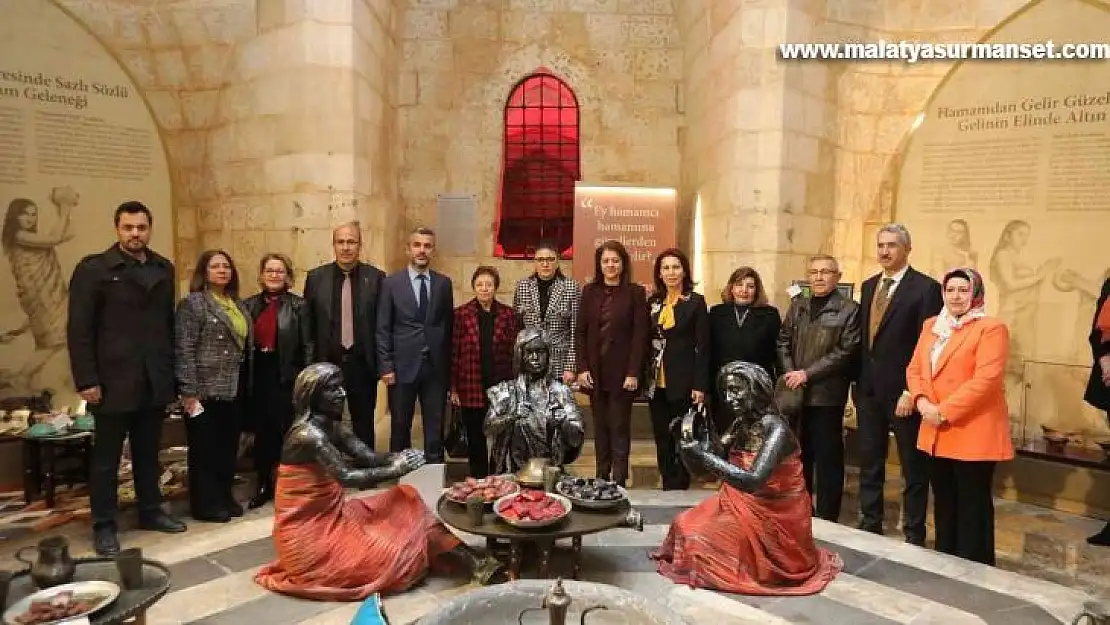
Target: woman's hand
point(585, 380)
point(568, 377)
point(1104, 364)
point(406, 461)
point(698, 397)
point(631, 383)
point(453, 397)
point(190, 405)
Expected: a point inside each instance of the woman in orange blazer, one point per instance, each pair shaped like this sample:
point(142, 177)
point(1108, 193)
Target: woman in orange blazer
point(956, 382)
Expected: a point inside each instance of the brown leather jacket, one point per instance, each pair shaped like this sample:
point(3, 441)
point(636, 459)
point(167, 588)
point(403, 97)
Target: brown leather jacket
point(826, 347)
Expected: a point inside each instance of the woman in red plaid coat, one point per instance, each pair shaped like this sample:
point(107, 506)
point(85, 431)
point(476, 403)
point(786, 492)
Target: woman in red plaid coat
point(482, 356)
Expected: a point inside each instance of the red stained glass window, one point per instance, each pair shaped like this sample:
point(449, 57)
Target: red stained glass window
point(540, 167)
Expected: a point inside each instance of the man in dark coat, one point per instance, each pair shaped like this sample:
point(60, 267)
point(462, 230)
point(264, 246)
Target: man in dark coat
point(120, 334)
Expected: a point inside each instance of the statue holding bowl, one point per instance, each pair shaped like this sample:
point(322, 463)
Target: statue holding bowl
point(755, 536)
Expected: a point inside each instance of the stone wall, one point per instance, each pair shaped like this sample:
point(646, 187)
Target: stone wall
point(461, 60)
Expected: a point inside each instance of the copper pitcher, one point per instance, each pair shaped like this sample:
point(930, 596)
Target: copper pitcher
point(53, 565)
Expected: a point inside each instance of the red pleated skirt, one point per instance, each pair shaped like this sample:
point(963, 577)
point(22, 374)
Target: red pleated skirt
point(752, 544)
point(335, 549)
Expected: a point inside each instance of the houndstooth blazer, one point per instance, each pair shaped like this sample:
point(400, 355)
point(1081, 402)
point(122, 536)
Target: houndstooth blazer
point(560, 321)
point(208, 355)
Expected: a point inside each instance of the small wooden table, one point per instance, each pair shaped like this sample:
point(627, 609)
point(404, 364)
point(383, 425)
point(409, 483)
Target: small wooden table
point(576, 525)
point(129, 607)
point(40, 463)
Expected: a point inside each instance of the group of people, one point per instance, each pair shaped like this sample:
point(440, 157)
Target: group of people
point(920, 357)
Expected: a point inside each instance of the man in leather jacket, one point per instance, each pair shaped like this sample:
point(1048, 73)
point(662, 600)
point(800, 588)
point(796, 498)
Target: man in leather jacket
point(818, 345)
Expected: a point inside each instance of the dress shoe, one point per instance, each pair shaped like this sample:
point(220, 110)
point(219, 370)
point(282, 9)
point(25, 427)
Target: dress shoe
point(918, 541)
point(234, 508)
point(105, 542)
point(261, 498)
point(1101, 539)
point(216, 517)
point(161, 522)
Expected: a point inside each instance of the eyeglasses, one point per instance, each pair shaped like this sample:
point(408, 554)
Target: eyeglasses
point(546, 260)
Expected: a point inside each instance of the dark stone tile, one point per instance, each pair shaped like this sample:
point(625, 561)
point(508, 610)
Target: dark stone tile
point(660, 515)
point(854, 561)
point(1044, 552)
point(1024, 615)
point(927, 585)
point(245, 556)
point(193, 572)
point(272, 609)
point(813, 609)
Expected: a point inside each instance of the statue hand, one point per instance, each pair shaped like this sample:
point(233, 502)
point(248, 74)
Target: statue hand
point(407, 461)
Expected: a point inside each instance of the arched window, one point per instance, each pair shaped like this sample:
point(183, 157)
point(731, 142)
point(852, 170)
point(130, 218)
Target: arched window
point(541, 164)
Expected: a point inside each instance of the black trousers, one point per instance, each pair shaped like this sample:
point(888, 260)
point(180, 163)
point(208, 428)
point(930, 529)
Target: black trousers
point(213, 439)
point(271, 414)
point(963, 507)
point(430, 387)
point(144, 429)
point(663, 411)
point(875, 421)
point(476, 448)
point(612, 414)
point(822, 438)
point(361, 385)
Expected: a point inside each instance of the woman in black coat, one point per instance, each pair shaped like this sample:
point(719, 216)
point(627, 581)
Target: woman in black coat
point(744, 326)
point(1098, 387)
point(282, 348)
point(678, 371)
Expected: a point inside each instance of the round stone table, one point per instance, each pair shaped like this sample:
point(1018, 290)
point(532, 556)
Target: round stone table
point(131, 605)
point(503, 604)
point(576, 525)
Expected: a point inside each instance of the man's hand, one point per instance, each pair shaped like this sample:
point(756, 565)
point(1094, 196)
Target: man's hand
point(190, 405)
point(631, 383)
point(389, 378)
point(795, 379)
point(453, 397)
point(904, 407)
point(585, 380)
point(91, 394)
point(698, 397)
point(569, 377)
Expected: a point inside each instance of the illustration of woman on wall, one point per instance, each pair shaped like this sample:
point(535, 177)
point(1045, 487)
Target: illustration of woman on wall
point(1019, 288)
point(957, 252)
point(39, 281)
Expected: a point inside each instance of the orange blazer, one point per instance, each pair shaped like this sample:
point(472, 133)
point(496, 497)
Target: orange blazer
point(969, 387)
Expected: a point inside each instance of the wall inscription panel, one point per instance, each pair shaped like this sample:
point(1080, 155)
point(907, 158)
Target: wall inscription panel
point(642, 219)
point(1009, 172)
point(76, 140)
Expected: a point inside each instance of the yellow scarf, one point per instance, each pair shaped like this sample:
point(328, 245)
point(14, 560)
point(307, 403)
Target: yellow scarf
point(666, 321)
point(231, 309)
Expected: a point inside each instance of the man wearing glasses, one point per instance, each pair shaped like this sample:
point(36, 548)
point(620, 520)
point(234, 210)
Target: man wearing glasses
point(549, 300)
point(818, 345)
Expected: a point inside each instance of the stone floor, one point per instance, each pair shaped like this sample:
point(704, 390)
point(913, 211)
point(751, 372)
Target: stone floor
point(884, 580)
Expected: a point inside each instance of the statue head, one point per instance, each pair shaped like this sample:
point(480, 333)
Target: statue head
point(319, 389)
point(532, 353)
point(746, 389)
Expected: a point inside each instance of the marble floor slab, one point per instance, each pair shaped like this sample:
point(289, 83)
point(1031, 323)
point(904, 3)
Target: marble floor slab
point(884, 581)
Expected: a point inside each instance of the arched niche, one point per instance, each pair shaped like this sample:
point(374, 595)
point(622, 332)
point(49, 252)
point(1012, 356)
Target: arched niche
point(76, 135)
point(1008, 170)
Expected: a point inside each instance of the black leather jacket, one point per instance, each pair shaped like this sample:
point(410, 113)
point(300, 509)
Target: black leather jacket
point(294, 341)
point(826, 348)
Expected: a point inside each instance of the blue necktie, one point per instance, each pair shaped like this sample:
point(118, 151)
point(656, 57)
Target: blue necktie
point(422, 303)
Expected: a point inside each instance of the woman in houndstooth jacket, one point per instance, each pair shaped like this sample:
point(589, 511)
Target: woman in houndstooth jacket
point(549, 300)
point(213, 341)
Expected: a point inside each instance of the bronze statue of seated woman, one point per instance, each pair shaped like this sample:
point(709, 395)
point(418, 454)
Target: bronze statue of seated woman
point(533, 416)
point(755, 536)
point(336, 549)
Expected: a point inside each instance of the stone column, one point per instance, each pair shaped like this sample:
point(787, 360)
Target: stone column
point(304, 137)
point(756, 154)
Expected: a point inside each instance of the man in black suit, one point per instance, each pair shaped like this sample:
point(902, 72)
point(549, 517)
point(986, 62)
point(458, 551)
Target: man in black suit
point(415, 315)
point(894, 305)
point(341, 304)
point(120, 337)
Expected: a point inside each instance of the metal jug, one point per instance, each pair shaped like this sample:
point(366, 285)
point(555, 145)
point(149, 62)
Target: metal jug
point(557, 603)
point(1095, 612)
point(53, 565)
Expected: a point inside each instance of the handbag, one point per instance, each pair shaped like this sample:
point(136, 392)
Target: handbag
point(456, 444)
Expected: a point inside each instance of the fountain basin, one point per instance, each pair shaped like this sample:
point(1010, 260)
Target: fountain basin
point(503, 603)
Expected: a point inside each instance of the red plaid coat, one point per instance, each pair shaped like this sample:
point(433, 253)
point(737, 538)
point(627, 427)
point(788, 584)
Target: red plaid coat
point(466, 355)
